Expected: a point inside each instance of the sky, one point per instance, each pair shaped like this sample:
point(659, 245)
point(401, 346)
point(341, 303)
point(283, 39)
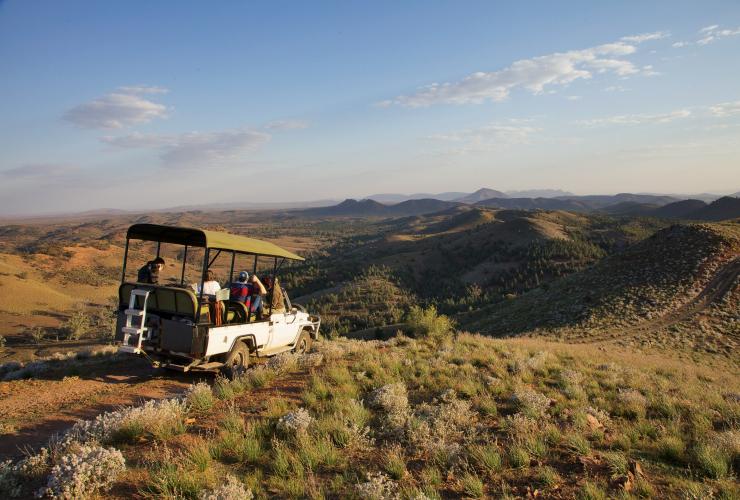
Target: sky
point(141, 105)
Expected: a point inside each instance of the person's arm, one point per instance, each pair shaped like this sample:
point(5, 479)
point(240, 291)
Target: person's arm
point(257, 282)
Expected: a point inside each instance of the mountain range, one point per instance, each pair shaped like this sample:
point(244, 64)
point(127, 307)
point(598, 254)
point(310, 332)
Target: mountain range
point(623, 204)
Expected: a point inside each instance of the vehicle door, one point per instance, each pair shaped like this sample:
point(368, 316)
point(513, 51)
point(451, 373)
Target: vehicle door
point(283, 327)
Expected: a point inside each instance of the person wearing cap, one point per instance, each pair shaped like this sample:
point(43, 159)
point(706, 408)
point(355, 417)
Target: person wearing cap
point(247, 291)
point(149, 272)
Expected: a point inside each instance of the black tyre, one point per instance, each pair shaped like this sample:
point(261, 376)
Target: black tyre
point(303, 344)
point(237, 361)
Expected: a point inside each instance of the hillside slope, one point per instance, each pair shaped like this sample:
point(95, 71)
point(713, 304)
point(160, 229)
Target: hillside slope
point(678, 288)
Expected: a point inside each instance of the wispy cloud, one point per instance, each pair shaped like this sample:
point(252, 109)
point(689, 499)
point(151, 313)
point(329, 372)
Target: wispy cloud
point(645, 37)
point(535, 75)
point(490, 137)
point(194, 149)
point(287, 125)
point(637, 119)
point(720, 110)
point(709, 34)
point(40, 170)
point(713, 33)
point(725, 109)
point(124, 107)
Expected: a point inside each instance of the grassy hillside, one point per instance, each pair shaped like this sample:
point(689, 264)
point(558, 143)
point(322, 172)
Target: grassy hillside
point(441, 256)
point(373, 299)
point(412, 419)
point(654, 290)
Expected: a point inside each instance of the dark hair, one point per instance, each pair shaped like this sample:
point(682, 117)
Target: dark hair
point(158, 260)
point(210, 275)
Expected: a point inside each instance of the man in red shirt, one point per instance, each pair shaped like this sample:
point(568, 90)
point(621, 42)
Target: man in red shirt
point(245, 292)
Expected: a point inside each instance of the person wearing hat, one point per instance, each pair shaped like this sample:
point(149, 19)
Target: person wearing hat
point(149, 272)
point(247, 291)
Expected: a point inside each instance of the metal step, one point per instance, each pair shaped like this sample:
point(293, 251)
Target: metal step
point(129, 348)
point(134, 312)
point(132, 330)
point(209, 366)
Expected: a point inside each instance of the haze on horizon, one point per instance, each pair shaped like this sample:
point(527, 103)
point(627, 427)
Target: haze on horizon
point(152, 105)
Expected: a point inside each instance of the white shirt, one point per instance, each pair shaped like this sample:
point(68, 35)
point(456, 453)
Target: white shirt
point(210, 288)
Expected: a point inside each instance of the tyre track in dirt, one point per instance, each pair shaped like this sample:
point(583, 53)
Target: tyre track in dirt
point(33, 410)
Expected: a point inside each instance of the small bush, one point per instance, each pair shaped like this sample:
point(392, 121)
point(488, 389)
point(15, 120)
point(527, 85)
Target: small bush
point(200, 397)
point(530, 402)
point(393, 400)
point(231, 489)
point(518, 457)
point(547, 477)
point(616, 462)
point(472, 485)
point(426, 323)
point(591, 491)
point(488, 457)
point(223, 389)
point(85, 471)
point(711, 460)
point(631, 404)
point(77, 325)
point(395, 463)
point(160, 419)
point(377, 487)
point(671, 449)
point(296, 422)
point(578, 444)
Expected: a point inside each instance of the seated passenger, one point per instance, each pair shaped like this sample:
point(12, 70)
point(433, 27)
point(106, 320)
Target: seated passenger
point(149, 272)
point(248, 291)
point(210, 286)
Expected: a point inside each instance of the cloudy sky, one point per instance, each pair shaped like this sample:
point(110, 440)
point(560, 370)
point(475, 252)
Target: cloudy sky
point(155, 104)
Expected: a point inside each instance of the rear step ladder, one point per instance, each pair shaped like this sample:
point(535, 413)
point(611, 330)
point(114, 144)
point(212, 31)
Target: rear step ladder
point(134, 328)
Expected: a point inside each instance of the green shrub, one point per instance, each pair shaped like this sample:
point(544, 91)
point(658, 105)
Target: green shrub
point(395, 463)
point(487, 457)
point(591, 491)
point(223, 389)
point(671, 449)
point(200, 398)
point(711, 460)
point(518, 457)
point(578, 444)
point(547, 477)
point(77, 325)
point(472, 485)
point(426, 323)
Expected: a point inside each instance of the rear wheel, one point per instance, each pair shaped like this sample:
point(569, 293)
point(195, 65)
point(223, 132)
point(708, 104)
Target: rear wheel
point(237, 361)
point(303, 344)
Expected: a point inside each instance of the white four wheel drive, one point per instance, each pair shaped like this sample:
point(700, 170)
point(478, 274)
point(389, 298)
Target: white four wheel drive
point(175, 328)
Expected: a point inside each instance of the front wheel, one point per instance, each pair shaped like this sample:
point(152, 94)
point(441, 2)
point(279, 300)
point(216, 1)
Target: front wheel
point(237, 361)
point(303, 344)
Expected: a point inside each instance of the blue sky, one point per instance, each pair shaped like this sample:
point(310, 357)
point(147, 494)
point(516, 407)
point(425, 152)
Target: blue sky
point(155, 104)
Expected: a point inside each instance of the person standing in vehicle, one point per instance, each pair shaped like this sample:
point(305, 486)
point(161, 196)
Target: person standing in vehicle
point(149, 272)
point(278, 301)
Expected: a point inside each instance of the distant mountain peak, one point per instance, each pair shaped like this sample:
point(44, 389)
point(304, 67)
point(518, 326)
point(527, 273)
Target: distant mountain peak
point(480, 195)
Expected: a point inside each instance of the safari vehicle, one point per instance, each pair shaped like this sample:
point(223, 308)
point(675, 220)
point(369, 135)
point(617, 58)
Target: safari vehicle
point(177, 329)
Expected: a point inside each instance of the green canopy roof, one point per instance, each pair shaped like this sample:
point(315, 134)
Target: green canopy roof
point(207, 239)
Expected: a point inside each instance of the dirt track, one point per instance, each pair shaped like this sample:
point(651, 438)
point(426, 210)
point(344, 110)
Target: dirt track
point(33, 410)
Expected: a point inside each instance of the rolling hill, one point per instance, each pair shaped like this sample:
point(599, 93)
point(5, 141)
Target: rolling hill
point(372, 208)
point(678, 288)
point(537, 204)
point(723, 208)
